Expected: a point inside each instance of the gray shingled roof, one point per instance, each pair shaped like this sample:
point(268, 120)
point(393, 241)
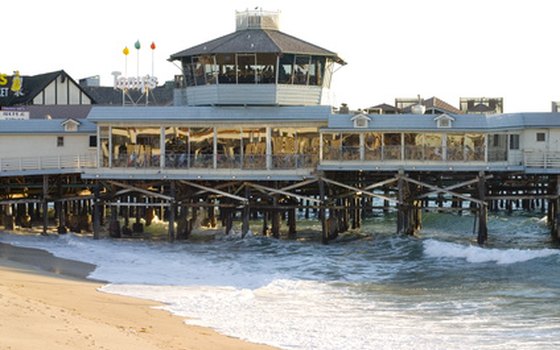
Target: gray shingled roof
point(210, 114)
point(58, 111)
point(107, 95)
point(463, 122)
point(43, 126)
point(256, 40)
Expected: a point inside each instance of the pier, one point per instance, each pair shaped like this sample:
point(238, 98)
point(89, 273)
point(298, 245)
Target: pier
point(339, 201)
point(252, 137)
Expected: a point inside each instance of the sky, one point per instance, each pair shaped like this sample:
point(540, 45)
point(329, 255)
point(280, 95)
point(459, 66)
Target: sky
point(394, 48)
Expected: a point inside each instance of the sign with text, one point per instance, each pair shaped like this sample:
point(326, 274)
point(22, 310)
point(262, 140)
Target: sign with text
point(13, 115)
point(11, 85)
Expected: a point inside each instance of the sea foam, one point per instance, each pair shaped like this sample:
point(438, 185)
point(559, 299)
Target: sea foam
point(475, 254)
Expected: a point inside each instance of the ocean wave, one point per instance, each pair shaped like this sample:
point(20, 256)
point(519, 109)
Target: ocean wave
point(474, 254)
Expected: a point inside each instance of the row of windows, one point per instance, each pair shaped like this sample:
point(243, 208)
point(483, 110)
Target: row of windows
point(251, 68)
point(92, 141)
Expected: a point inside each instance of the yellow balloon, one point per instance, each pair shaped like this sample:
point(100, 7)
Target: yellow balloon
point(125, 51)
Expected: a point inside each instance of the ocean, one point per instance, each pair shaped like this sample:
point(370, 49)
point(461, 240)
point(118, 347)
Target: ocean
point(371, 289)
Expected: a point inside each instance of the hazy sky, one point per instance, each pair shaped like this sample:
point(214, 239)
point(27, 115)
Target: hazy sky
point(394, 48)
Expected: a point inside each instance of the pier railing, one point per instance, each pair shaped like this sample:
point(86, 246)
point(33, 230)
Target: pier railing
point(13, 164)
point(545, 160)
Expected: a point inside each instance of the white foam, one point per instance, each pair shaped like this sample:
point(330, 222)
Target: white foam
point(476, 254)
point(263, 294)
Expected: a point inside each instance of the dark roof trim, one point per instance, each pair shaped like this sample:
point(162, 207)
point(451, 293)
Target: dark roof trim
point(257, 41)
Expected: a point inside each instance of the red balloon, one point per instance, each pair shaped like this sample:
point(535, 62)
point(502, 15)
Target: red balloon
point(153, 46)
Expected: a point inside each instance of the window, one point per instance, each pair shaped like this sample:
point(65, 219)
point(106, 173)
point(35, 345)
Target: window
point(541, 137)
point(513, 142)
point(93, 141)
point(361, 123)
point(60, 141)
point(444, 123)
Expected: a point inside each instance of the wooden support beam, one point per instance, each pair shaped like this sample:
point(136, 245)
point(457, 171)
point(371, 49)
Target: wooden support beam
point(483, 211)
point(322, 213)
point(381, 183)
point(555, 225)
point(212, 190)
point(219, 187)
point(452, 187)
point(246, 212)
point(438, 189)
point(269, 191)
point(172, 210)
point(358, 190)
point(96, 213)
point(140, 190)
point(45, 204)
point(299, 184)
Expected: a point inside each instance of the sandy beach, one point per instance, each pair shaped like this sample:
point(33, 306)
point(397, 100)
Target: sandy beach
point(46, 303)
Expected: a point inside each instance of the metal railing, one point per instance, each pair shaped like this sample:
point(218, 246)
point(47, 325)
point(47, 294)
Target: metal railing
point(48, 162)
point(541, 159)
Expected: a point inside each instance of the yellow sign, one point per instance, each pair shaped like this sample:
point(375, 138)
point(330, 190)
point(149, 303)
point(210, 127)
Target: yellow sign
point(16, 86)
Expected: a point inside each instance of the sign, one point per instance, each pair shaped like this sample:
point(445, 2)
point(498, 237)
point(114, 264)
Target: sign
point(144, 83)
point(11, 85)
point(14, 115)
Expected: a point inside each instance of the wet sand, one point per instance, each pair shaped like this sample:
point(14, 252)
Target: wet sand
point(47, 303)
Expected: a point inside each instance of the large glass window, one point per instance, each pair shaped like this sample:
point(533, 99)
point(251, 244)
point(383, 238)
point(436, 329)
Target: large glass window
point(392, 146)
point(301, 70)
point(226, 68)
point(228, 147)
point(202, 147)
point(331, 146)
point(176, 147)
point(474, 147)
point(286, 69)
point(455, 147)
point(266, 68)
point(372, 145)
point(433, 147)
point(497, 147)
point(104, 146)
point(350, 149)
point(284, 147)
point(136, 147)
point(317, 70)
point(122, 146)
point(308, 144)
point(254, 148)
point(413, 146)
point(246, 73)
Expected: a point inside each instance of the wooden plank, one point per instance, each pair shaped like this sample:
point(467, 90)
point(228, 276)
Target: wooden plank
point(269, 191)
point(381, 183)
point(299, 184)
point(439, 189)
point(140, 190)
point(359, 190)
point(212, 190)
point(452, 187)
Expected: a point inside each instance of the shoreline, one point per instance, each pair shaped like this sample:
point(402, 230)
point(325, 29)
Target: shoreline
point(48, 302)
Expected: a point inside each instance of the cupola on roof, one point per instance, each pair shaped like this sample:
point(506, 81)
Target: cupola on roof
point(257, 31)
point(255, 65)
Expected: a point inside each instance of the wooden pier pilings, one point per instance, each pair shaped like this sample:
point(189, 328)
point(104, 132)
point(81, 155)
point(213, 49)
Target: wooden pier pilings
point(339, 200)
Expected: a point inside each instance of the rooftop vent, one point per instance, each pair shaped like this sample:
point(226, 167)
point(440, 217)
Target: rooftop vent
point(257, 19)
